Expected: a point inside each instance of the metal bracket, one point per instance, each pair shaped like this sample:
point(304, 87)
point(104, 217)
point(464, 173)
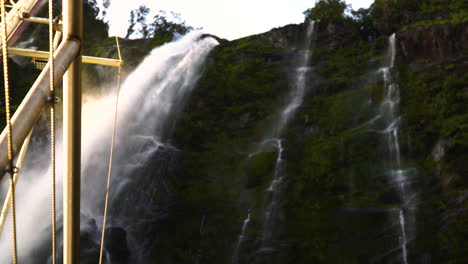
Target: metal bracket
point(25, 16)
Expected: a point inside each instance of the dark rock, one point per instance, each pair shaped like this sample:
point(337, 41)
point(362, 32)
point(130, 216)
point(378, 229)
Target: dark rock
point(331, 28)
point(286, 37)
point(311, 130)
point(244, 119)
point(220, 40)
point(438, 151)
point(116, 245)
point(433, 43)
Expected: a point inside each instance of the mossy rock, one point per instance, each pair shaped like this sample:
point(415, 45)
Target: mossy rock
point(260, 169)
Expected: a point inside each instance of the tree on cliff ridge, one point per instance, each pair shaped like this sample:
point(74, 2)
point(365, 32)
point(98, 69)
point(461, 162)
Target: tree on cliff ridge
point(327, 11)
point(163, 24)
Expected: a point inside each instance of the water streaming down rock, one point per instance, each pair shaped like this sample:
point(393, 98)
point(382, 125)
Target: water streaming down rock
point(398, 176)
point(298, 90)
point(295, 100)
point(272, 139)
point(271, 210)
point(151, 97)
point(240, 239)
point(199, 251)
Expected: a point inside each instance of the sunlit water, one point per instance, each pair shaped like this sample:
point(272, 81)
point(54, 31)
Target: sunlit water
point(150, 99)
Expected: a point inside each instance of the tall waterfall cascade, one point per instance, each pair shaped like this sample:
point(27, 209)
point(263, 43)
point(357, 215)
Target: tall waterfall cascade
point(151, 96)
point(295, 99)
point(398, 175)
point(272, 139)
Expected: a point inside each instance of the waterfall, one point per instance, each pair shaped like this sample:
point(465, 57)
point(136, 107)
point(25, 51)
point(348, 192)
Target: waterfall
point(294, 100)
point(398, 176)
point(272, 138)
point(151, 97)
point(240, 239)
point(298, 90)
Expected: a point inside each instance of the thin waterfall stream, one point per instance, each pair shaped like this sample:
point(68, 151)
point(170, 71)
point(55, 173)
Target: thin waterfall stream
point(295, 100)
point(151, 97)
point(398, 175)
point(273, 139)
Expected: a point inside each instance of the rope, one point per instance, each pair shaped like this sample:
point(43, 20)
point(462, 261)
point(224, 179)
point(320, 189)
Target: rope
point(52, 127)
point(109, 172)
point(8, 123)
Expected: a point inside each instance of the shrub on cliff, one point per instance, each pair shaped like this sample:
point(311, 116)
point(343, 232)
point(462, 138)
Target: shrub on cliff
point(327, 11)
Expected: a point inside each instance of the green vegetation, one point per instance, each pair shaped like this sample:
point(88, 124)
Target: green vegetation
point(243, 79)
point(393, 15)
point(337, 197)
point(233, 102)
point(162, 26)
point(457, 17)
point(336, 206)
point(434, 103)
point(327, 11)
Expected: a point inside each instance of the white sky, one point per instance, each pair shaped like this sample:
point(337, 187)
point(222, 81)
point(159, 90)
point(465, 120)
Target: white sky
point(230, 19)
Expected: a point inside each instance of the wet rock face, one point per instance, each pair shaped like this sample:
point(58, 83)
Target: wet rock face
point(436, 42)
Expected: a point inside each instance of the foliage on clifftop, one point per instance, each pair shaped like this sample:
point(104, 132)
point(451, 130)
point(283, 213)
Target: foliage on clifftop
point(393, 15)
point(388, 16)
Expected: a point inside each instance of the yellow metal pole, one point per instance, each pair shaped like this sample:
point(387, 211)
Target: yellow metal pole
point(72, 29)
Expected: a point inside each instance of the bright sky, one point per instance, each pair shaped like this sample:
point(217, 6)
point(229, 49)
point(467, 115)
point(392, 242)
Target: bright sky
point(230, 19)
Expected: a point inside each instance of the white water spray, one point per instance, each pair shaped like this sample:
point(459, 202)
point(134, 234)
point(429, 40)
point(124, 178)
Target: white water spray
point(240, 239)
point(298, 90)
point(295, 100)
point(150, 97)
point(403, 232)
point(272, 138)
point(271, 210)
point(398, 176)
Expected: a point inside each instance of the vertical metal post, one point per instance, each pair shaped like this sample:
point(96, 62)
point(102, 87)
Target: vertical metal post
point(72, 28)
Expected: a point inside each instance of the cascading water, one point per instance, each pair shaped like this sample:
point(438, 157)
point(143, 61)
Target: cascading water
point(294, 101)
point(271, 210)
point(240, 239)
point(272, 139)
point(398, 176)
point(150, 98)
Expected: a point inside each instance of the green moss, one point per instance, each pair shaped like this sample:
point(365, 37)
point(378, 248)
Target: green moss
point(243, 80)
point(459, 17)
point(259, 169)
point(344, 67)
point(401, 13)
point(434, 103)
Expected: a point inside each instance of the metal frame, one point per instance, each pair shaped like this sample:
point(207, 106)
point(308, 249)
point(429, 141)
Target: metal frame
point(45, 55)
point(68, 63)
point(35, 101)
point(14, 15)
